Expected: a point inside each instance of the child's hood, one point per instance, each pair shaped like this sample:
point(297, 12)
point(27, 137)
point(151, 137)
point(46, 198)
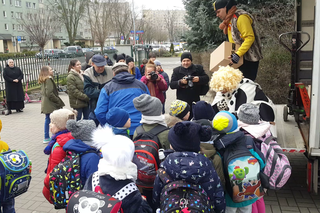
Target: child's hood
point(190, 166)
point(257, 130)
point(208, 149)
point(223, 141)
point(77, 145)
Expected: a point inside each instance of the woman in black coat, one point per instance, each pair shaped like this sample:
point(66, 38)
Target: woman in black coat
point(188, 90)
point(14, 91)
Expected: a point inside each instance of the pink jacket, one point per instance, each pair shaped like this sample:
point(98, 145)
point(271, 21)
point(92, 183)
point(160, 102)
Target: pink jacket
point(159, 86)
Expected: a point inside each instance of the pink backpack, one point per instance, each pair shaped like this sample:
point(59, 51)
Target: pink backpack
point(277, 169)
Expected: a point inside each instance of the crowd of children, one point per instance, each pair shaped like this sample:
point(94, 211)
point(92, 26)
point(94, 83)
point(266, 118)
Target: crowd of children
point(210, 162)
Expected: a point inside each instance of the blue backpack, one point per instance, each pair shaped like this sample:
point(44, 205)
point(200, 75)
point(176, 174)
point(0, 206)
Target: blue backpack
point(15, 174)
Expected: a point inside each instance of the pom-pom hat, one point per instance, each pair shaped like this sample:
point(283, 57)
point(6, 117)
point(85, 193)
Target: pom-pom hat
point(225, 122)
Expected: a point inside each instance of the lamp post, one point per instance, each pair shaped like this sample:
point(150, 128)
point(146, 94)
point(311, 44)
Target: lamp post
point(134, 30)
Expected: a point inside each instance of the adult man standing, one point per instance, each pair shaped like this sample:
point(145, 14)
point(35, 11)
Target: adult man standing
point(120, 92)
point(189, 80)
point(95, 78)
point(108, 60)
point(239, 25)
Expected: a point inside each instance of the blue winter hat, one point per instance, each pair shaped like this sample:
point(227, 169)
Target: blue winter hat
point(225, 122)
point(202, 110)
point(117, 117)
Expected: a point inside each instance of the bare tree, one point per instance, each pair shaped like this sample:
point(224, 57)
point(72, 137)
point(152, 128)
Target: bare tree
point(100, 20)
point(40, 26)
point(69, 13)
point(148, 29)
point(170, 19)
point(161, 35)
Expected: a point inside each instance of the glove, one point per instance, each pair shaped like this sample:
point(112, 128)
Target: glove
point(235, 58)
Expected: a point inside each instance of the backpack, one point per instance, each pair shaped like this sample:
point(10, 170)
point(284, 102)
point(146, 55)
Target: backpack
point(146, 155)
point(277, 170)
point(242, 173)
point(177, 196)
point(96, 201)
point(65, 179)
point(15, 174)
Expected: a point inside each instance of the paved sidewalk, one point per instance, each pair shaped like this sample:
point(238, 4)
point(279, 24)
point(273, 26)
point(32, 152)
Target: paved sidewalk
point(25, 131)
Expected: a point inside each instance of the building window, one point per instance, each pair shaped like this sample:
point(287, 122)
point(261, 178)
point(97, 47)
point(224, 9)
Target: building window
point(29, 16)
point(19, 27)
point(6, 27)
point(18, 3)
point(12, 14)
point(34, 5)
point(19, 15)
point(13, 27)
point(3, 1)
point(4, 14)
point(28, 4)
point(40, 1)
point(10, 2)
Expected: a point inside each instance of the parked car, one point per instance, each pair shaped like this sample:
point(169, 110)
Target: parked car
point(73, 51)
point(96, 50)
point(84, 50)
point(50, 53)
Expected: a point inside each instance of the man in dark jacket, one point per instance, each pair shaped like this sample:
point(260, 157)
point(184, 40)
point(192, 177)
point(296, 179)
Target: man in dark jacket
point(120, 92)
point(95, 78)
point(85, 65)
point(109, 62)
point(188, 89)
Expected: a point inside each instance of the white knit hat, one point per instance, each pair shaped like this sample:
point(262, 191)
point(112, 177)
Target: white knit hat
point(61, 116)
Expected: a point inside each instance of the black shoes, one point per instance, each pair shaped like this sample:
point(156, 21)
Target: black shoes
point(19, 110)
point(8, 112)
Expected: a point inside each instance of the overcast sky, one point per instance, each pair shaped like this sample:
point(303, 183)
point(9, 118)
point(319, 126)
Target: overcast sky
point(158, 4)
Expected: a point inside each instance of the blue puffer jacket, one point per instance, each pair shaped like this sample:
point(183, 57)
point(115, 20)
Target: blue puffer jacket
point(238, 137)
point(120, 92)
point(88, 162)
point(194, 168)
point(133, 203)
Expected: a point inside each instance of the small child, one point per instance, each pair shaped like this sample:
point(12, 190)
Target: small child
point(180, 109)
point(119, 120)
point(116, 171)
point(202, 110)
point(166, 78)
point(7, 206)
point(60, 136)
point(142, 66)
point(82, 132)
point(186, 163)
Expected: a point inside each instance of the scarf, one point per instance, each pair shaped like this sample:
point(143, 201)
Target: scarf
point(129, 171)
point(152, 88)
point(153, 120)
point(224, 25)
point(48, 148)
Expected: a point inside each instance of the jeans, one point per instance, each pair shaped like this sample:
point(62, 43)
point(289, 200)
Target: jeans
point(246, 209)
point(46, 126)
point(85, 111)
point(7, 207)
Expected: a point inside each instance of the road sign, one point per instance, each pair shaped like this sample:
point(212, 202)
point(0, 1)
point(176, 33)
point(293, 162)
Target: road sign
point(137, 32)
point(122, 37)
point(19, 38)
point(137, 37)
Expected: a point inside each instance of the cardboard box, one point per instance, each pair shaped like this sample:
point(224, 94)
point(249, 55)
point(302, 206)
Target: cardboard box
point(219, 57)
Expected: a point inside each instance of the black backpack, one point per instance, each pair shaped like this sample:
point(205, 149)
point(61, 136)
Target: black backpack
point(146, 155)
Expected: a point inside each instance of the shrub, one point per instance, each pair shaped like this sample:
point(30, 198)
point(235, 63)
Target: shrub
point(17, 55)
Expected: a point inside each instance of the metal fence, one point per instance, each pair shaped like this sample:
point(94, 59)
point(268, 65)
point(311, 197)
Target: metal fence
point(31, 66)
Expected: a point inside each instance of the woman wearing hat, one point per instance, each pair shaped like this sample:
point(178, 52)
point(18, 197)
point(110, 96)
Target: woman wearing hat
point(188, 90)
point(239, 26)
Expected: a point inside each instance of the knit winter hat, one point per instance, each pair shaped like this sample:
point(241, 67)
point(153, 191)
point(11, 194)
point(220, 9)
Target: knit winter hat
point(223, 3)
point(120, 67)
point(225, 122)
point(202, 110)
point(60, 117)
point(117, 117)
point(179, 109)
point(186, 55)
point(119, 57)
point(81, 129)
point(148, 105)
point(157, 63)
point(186, 136)
point(129, 59)
point(249, 113)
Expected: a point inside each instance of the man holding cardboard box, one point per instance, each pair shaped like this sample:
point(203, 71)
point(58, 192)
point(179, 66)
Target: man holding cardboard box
point(239, 26)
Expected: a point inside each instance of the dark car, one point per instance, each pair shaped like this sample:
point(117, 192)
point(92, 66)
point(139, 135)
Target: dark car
point(50, 53)
point(73, 51)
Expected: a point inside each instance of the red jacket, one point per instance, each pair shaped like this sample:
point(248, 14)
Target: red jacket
point(57, 154)
point(160, 86)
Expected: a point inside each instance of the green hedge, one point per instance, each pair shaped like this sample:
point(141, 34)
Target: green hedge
point(15, 55)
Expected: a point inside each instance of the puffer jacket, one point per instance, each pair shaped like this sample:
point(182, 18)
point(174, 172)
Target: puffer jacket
point(75, 86)
point(50, 99)
point(57, 154)
point(193, 168)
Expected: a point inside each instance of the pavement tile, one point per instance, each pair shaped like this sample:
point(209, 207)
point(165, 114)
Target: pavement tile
point(289, 208)
point(304, 210)
point(313, 210)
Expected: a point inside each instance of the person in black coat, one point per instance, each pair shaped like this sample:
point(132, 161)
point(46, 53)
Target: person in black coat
point(188, 90)
point(14, 91)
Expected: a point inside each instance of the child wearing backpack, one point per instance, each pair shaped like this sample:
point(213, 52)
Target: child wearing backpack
point(242, 162)
point(119, 120)
point(189, 167)
point(7, 206)
point(60, 136)
point(116, 173)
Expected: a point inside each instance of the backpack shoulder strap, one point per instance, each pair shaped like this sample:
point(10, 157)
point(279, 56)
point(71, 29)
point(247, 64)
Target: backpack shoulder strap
point(140, 130)
point(95, 180)
point(163, 175)
point(269, 139)
point(157, 130)
point(125, 191)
